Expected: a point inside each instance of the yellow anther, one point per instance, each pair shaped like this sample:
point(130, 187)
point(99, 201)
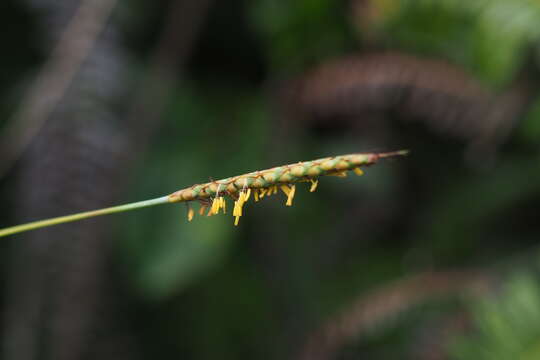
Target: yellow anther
point(314, 184)
point(247, 195)
point(237, 211)
point(202, 209)
point(285, 189)
point(236, 219)
point(215, 206)
point(190, 214)
point(240, 205)
point(290, 196)
point(223, 204)
point(358, 171)
point(256, 195)
point(263, 192)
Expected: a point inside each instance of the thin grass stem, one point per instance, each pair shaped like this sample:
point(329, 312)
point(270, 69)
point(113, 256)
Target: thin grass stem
point(83, 215)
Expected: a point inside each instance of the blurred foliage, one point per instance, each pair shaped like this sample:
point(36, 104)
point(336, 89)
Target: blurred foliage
point(507, 325)
point(297, 34)
point(529, 131)
point(487, 36)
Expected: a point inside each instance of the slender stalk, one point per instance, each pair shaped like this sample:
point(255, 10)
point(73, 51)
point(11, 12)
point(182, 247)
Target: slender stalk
point(83, 215)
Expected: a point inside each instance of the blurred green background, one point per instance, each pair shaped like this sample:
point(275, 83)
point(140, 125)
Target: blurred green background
point(429, 257)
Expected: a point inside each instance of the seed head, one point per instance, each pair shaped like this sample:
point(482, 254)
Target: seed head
point(266, 182)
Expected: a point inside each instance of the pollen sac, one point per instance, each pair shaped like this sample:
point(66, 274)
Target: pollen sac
point(314, 184)
point(290, 196)
point(202, 209)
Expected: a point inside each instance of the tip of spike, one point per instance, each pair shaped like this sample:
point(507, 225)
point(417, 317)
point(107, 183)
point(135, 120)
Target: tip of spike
point(394, 153)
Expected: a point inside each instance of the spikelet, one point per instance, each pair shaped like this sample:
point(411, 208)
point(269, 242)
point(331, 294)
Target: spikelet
point(267, 182)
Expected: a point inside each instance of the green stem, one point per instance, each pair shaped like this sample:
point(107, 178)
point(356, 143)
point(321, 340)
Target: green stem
point(82, 215)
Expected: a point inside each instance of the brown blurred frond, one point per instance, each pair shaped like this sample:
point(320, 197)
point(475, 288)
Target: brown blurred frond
point(377, 308)
point(346, 91)
point(408, 85)
point(53, 81)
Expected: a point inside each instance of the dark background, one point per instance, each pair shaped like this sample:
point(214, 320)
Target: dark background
point(433, 256)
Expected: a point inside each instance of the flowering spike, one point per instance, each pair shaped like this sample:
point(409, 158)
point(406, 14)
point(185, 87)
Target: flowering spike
point(265, 181)
point(237, 211)
point(314, 184)
point(242, 198)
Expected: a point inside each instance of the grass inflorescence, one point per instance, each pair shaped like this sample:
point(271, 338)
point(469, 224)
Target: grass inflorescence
point(212, 195)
